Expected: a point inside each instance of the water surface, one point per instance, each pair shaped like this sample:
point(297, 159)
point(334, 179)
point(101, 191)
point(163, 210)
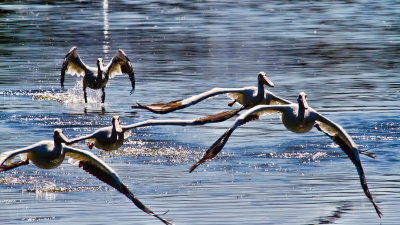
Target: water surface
point(343, 54)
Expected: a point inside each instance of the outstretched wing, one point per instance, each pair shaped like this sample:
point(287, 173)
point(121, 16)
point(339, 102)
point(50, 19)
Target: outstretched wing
point(6, 158)
point(167, 107)
point(219, 117)
point(249, 115)
point(121, 64)
point(200, 121)
point(95, 166)
point(76, 140)
point(338, 135)
point(73, 65)
point(346, 143)
point(273, 99)
point(148, 123)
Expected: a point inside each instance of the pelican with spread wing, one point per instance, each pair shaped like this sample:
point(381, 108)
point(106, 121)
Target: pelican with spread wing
point(50, 155)
point(299, 118)
point(97, 78)
point(247, 97)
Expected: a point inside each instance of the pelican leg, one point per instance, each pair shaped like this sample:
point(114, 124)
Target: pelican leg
point(231, 103)
point(103, 96)
point(14, 165)
point(84, 92)
point(90, 144)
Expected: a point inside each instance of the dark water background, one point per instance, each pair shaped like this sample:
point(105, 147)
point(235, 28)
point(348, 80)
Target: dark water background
point(343, 54)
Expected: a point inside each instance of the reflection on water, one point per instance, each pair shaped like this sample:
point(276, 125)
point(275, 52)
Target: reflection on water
point(343, 54)
point(336, 215)
point(106, 46)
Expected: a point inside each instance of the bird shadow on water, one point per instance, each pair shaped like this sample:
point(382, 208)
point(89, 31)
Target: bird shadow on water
point(334, 216)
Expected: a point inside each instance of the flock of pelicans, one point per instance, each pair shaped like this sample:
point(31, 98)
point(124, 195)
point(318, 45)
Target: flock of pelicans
point(297, 117)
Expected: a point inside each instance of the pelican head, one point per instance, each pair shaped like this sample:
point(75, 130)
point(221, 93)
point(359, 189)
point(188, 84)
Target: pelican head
point(262, 79)
point(116, 124)
point(302, 100)
point(100, 64)
point(59, 137)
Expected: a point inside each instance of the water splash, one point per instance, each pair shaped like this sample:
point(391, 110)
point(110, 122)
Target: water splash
point(312, 156)
point(158, 154)
point(73, 96)
point(31, 219)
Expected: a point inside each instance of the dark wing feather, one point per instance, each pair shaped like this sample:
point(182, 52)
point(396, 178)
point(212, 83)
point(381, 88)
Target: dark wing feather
point(14, 165)
point(342, 143)
point(121, 64)
point(166, 107)
point(109, 179)
point(219, 144)
point(249, 115)
point(339, 136)
point(95, 166)
point(214, 149)
point(163, 107)
point(219, 117)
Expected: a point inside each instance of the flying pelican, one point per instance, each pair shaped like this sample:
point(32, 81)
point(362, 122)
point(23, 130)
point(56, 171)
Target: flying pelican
point(112, 137)
point(299, 118)
point(106, 138)
point(97, 78)
point(50, 155)
point(247, 97)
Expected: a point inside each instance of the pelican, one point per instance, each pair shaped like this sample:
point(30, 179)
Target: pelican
point(247, 97)
point(299, 118)
point(97, 78)
point(50, 155)
point(107, 138)
point(112, 137)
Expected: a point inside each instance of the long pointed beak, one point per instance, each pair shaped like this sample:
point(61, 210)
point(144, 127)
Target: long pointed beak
point(267, 81)
point(63, 138)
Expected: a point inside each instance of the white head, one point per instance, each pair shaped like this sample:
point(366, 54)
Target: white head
point(100, 64)
point(116, 124)
point(302, 100)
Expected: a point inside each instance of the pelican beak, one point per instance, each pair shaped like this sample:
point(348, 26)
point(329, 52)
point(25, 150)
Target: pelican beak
point(117, 124)
point(303, 100)
point(265, 80)
point(63, 138)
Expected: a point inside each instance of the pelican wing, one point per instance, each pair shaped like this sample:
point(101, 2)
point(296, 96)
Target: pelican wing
point(76, 140)
point(273, 99)
point(200, 121)
point(6, 158)
point(167, 107)
point(238, 96)
point(219, 117)
point(346, 143)
point(249, 115)
point(95, 166)
point(73, 65)
point(100, 133)
point(148, 123)
point(121, 64)
point(338, 135)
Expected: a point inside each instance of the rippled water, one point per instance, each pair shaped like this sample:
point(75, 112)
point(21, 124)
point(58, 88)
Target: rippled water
point(343, 54)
